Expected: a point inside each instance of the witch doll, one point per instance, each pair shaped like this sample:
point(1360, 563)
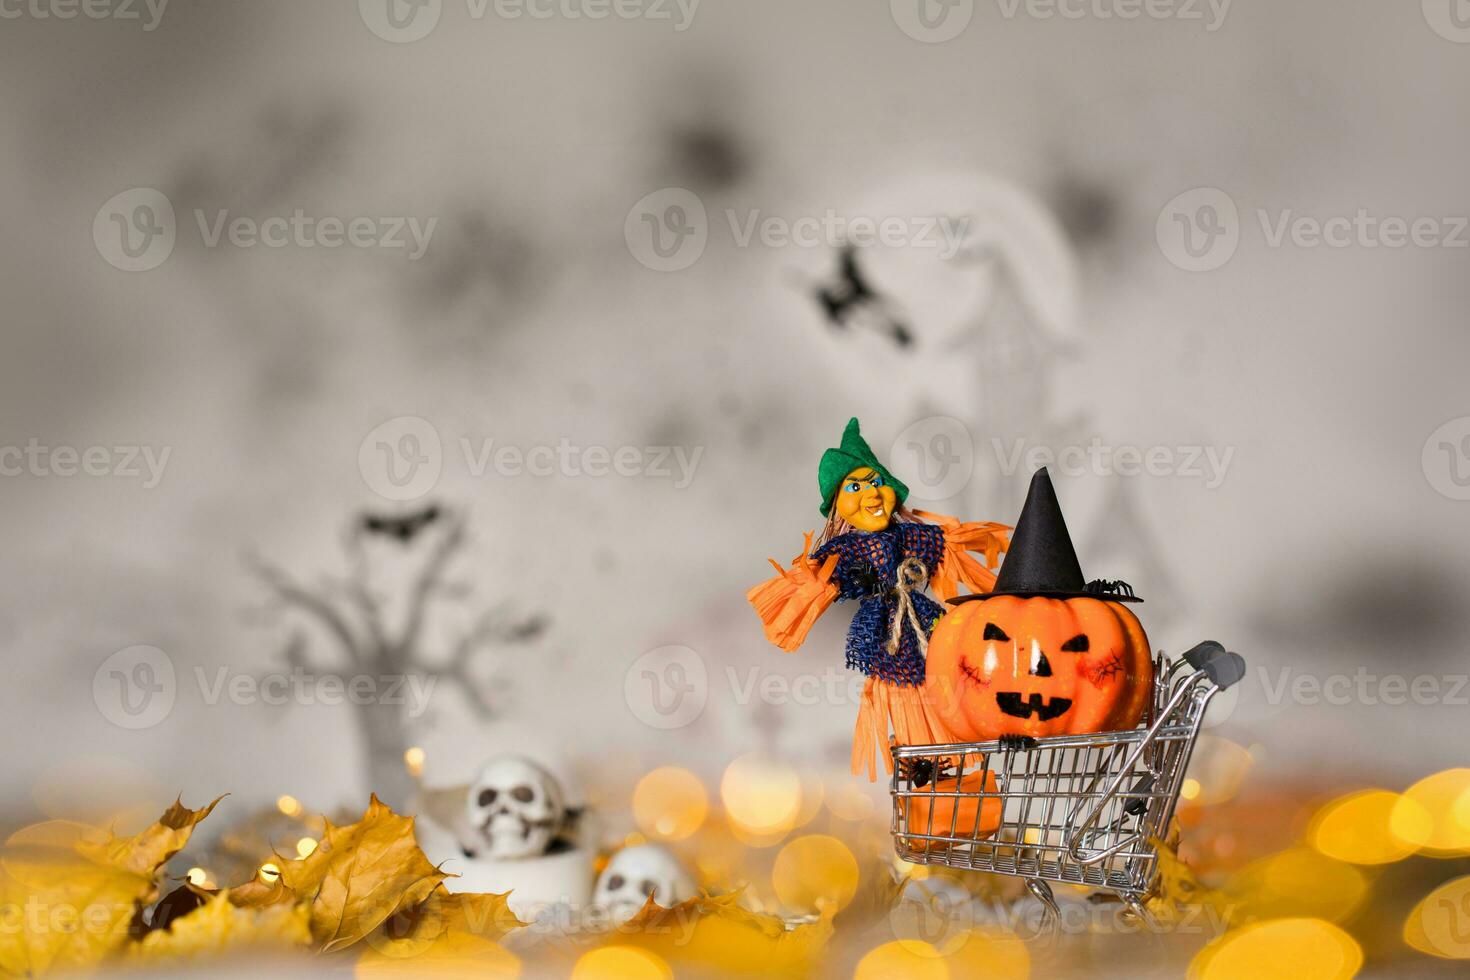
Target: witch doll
point(875, 550)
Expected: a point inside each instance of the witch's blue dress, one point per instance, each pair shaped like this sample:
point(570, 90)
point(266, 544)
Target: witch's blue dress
point(867, 570)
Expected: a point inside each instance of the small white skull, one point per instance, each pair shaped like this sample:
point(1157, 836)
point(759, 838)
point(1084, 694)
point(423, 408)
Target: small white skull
point(635, 874)
point(515, 809)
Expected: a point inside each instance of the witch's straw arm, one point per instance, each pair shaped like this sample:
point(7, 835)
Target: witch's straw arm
point(794, 598)
point(959, 566)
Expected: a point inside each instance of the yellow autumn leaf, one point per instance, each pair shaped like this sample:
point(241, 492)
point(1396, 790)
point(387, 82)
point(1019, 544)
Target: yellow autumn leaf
point(717, 932)
point(145, 853)
point(70, 923)
point(1179, 894)
point(442, 917)
point(484, 915)
point(359, 875)
point(260, 893)
point(70, 892)
point(220, 927)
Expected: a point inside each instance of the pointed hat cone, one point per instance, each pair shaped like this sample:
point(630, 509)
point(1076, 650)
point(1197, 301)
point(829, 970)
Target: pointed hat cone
point(1041, 560)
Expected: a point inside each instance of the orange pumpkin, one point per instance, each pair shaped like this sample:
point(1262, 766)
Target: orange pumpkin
point(1037, 666)
point(949, 816)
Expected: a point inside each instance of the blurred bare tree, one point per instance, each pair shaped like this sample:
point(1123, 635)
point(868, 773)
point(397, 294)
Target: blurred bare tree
point(355, 618)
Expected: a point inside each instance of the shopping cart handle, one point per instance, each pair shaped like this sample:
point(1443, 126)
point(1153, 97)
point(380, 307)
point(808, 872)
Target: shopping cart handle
point(1222, 666)
point(1200, 654)
point(1227, 670)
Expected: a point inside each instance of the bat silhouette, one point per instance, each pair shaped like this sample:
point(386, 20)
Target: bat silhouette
point(401, 527)
point(843, 301)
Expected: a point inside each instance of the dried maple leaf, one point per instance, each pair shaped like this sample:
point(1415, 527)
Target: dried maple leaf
point(145, 853)
point(260, 894)
point(444, 913)
point(77, 889)
point(219, 927)
point(1178, 889)
point(446, 933)
point(359, 875)
point(485, 915)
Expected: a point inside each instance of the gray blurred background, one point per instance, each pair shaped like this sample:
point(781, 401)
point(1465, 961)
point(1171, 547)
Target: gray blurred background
point(1327, 378)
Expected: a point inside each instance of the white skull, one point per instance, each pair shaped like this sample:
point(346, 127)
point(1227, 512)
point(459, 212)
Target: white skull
point(515, 809)
point(634, 874)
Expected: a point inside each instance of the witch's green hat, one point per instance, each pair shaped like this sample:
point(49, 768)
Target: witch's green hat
point(853, 453)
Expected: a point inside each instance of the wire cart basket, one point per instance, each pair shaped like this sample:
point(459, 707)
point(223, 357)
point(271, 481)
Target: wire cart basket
point(1076, 809)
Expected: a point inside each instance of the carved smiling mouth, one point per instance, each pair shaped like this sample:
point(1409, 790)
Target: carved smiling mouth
point(1011, 703)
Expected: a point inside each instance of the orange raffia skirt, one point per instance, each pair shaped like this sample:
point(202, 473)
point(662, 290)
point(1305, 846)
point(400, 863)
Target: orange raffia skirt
point(900, 707)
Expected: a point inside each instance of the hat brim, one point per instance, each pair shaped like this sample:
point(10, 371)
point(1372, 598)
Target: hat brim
point(1026, 594)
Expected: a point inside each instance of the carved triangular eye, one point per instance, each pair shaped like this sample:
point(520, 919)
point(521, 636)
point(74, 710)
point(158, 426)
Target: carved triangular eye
point(994, 632)
point(1077, 644)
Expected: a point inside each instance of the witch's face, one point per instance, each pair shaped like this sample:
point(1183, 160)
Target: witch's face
point(865, 501)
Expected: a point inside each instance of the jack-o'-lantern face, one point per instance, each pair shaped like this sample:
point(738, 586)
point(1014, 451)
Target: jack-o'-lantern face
point(865, 500)
point(1012, 665)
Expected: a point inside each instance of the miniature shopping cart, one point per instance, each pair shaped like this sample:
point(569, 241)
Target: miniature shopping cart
point(1079, 809)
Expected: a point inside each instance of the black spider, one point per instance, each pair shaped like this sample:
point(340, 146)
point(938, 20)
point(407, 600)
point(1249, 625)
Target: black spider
point(919, 772)
point(1104, 586)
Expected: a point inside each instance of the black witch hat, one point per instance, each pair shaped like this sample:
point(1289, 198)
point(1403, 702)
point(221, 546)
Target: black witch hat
point(1041, 560)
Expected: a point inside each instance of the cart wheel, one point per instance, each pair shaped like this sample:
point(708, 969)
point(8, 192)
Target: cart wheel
point(1052, 917)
